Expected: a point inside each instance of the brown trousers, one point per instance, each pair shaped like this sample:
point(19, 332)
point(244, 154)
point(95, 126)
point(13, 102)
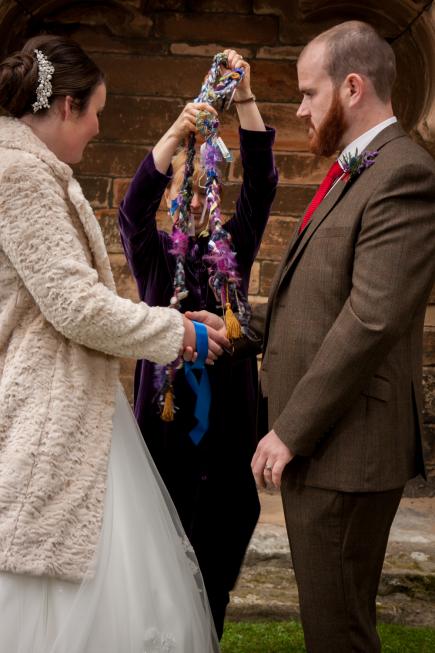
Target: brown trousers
point(338, 542)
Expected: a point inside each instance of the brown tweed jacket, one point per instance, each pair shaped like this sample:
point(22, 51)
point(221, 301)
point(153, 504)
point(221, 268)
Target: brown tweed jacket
point(342, 361)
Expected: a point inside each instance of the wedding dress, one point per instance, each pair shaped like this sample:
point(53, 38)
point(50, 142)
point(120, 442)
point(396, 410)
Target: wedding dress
point(146, 594)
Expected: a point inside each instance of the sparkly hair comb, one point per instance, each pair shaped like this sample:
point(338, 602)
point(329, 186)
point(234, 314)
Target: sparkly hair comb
point(44, 89)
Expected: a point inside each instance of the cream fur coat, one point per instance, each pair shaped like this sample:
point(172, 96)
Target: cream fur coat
point(62, 326)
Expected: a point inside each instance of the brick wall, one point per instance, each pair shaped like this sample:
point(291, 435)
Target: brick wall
point(155, 54)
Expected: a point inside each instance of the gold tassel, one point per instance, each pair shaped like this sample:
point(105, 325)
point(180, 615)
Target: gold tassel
point(168, 406)
point(232, 324)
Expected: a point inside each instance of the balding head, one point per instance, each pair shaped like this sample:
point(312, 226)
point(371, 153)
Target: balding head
point(355, 47)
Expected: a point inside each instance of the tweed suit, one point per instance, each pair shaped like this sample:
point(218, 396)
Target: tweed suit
point(343, 334)
point(341, 381)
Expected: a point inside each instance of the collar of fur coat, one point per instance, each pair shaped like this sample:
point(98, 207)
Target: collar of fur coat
point(14, 134)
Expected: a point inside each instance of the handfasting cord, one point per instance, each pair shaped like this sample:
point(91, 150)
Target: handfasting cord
point(221, 259)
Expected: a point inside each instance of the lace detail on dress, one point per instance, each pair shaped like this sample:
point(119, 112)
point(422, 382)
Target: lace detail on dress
point(190, 553)
point(156, 642)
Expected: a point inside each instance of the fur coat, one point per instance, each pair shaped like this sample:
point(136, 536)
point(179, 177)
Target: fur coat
point(62, 326)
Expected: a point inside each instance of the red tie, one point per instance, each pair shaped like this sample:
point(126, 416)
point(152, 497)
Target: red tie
point(334, 172)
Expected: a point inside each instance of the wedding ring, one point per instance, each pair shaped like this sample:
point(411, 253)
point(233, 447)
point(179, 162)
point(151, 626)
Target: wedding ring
point(268, 468)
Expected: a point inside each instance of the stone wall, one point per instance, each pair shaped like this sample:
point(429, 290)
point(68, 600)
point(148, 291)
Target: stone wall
point(155, 54)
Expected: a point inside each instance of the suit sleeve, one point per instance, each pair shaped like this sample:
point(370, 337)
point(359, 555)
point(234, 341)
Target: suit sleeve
point(137, 216)
point(394, 267)
point(41, 243)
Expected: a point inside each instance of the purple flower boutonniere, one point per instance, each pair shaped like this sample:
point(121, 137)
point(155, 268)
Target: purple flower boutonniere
point(354, 164)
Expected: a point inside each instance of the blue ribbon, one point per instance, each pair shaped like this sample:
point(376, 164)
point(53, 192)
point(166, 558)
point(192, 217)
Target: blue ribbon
point(200, 385)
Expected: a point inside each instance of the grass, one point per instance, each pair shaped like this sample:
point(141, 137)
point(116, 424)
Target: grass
point(287, 637)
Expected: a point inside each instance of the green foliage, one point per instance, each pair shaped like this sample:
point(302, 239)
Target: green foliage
point(287, 637)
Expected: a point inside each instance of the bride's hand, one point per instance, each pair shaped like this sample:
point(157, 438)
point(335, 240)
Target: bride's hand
point(217, 339)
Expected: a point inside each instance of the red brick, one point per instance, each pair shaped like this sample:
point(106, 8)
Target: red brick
point(153, 76)
point(429, 394)
point(223, 6)
point(290, 52)
point(125, 283)
point(119, 20)
point(292, 28)
point(429, 346)
point(294, 168)
point(164, 221)
point(276, 237)
point(235, 28)
point(429, 320)
point(108, 219)
point(289, 200)
point(254, 281)
point(206, 50)
point(114, 159)
point(257, 299)
point(138, 120)
point(96, 190)
point(93, 40)
point(165, 5)
point(292, 200)
point(144, 120)
point(120, 187)
point(291, 134)
point(268, 270)
point(275, 81)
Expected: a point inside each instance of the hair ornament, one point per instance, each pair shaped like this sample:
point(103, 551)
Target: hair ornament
point(44, 89)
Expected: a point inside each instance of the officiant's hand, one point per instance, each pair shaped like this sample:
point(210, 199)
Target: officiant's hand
point(269, 460)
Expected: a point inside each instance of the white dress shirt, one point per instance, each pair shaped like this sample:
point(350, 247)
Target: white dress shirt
point(362, 141)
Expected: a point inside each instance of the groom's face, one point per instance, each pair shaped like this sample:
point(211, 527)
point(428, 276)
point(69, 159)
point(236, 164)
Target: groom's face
point(321, 107)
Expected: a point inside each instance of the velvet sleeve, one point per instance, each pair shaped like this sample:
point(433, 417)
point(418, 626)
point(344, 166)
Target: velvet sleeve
point(137, 215)
point(260, 179)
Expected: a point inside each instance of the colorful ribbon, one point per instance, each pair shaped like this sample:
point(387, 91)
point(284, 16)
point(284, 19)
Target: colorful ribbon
point(200, 385)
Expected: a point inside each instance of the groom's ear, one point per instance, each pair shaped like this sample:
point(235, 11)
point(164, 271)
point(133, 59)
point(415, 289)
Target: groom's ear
point(353, 89)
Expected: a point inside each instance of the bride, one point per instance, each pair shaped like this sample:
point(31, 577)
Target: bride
point(92, 555)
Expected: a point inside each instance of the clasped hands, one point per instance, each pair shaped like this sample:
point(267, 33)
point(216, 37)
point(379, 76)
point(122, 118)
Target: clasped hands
point(271, 455)
point(217, 335)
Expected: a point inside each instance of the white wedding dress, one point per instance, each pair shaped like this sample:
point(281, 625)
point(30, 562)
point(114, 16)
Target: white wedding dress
point(147, 595)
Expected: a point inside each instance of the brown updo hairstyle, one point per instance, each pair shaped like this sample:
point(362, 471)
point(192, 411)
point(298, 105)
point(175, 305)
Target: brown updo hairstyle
point(75, 74)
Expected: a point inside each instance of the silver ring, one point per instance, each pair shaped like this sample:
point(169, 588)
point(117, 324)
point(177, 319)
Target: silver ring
point(268, 468)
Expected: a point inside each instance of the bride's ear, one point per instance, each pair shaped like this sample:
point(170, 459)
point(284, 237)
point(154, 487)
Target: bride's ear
point(66, 107)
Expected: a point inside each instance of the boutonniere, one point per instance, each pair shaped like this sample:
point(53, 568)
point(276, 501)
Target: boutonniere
point(354, 164)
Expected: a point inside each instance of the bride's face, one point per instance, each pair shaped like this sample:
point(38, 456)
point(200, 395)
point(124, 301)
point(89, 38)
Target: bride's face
point(80, 128)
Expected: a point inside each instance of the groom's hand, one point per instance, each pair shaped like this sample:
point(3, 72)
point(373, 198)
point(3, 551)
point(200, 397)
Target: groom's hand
point(217, 334)
point(209, 319)
point(217, 340)
point(269, 460)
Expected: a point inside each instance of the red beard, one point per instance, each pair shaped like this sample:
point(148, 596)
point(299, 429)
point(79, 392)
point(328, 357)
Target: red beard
point(326, 140)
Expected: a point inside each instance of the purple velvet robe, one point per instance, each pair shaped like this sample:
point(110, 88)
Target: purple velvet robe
point(211, 484)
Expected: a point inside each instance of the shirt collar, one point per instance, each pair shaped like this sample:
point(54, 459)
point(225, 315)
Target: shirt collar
point(362, 141)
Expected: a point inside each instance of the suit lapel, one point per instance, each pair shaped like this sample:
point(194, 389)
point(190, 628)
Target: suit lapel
point(316, 220)
point(299, 241)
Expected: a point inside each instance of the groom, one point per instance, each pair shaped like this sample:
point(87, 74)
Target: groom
point(341, 373)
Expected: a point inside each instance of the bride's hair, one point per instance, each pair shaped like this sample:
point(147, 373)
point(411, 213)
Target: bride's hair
point(75, 74)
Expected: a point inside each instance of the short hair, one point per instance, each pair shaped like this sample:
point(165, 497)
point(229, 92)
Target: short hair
point(356, 47)
point(75, 74)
